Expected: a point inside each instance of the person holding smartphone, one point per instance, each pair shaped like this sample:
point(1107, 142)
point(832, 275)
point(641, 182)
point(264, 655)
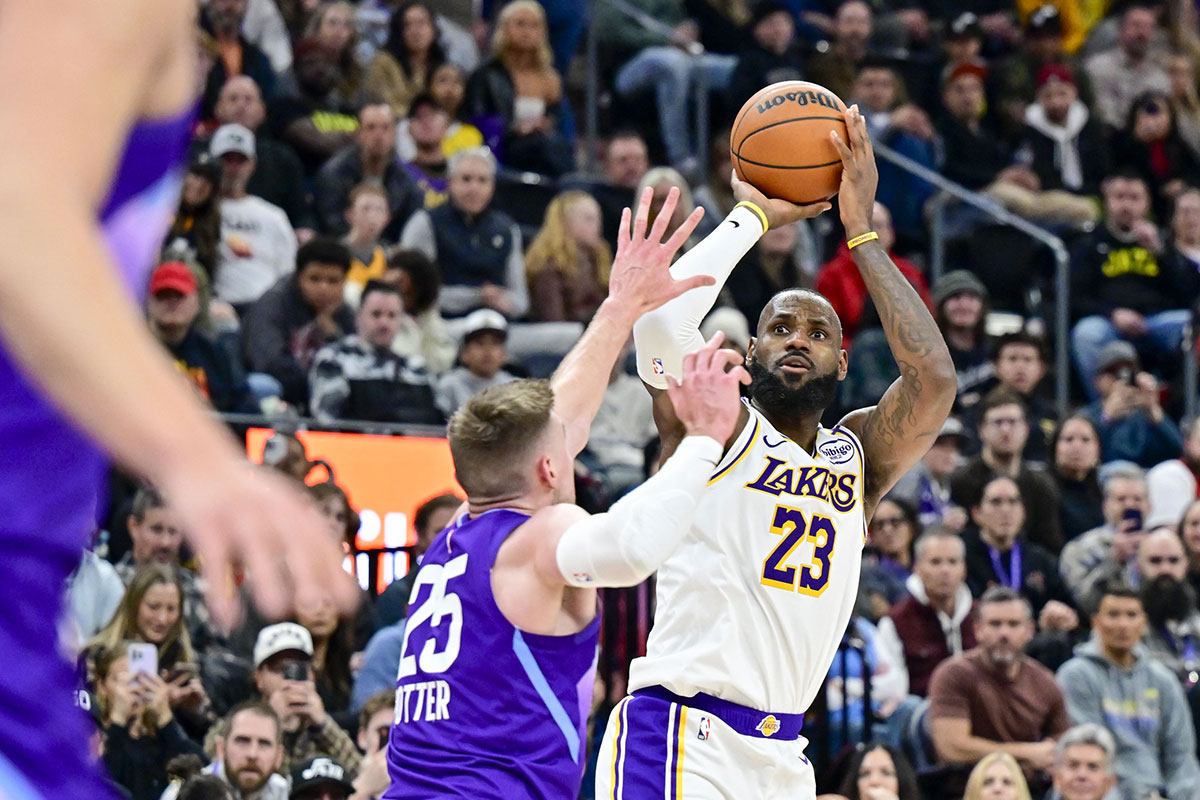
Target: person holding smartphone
point(1128, 414)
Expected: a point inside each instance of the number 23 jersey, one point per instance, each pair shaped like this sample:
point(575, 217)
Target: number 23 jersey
point(752, 605)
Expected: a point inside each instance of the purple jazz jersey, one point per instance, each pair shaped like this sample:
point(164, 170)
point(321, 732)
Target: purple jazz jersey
point(48, 490)
point(484, 710)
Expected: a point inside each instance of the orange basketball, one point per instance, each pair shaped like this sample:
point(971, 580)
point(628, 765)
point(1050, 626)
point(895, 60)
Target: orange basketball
point(780, 142)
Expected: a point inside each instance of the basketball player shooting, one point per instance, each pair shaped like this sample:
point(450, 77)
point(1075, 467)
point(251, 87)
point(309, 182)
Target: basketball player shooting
point(753, 603)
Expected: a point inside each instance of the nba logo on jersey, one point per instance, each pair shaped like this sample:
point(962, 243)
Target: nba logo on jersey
point(705, 728)
point(657, 365)
point(769, 726)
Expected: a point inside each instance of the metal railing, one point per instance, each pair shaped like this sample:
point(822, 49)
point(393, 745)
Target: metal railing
point(937, 256)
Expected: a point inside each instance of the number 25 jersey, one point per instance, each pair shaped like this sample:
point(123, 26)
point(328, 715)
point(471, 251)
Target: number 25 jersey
point(752, 605)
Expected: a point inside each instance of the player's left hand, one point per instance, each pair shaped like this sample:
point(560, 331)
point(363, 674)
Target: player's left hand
point(860, 177)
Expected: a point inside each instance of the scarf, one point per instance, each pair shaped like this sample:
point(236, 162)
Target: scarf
point(1065, 138)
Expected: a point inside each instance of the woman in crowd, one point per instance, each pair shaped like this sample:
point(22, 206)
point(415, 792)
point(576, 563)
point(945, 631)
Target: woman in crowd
point(1189, 532)
point(335, 507)
point(140, 731)
point(1184, 250)
point(889, 559)
point(332, 25)
point(333, 646)
point(568, 262)
point(422, 330)
point(997, 777)
point(1074, 460)
point(514, 98)
point(1185, 100)
point(1151, 144)
point(878, 771)
point(197, 223)
point(403, 67)
point(960, 303)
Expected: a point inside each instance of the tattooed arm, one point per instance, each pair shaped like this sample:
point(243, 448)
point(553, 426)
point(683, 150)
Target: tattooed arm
point(901, 428)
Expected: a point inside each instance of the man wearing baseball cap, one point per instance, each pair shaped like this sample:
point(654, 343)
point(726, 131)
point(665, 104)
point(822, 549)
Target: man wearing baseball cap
point(173, 306)
point(428, 123)
point(320, 778)
point(1066, 144)
point(481, 357)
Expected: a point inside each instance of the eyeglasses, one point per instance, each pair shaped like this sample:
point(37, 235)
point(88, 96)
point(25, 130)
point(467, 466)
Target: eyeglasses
point(888, 522)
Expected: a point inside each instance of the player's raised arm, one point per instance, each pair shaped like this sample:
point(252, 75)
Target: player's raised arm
point(899, 430)
point(641, 281)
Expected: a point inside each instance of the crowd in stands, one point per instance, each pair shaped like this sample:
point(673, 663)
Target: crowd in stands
point(389, 206)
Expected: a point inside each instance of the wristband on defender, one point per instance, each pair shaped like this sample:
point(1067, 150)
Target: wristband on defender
point(869, 236)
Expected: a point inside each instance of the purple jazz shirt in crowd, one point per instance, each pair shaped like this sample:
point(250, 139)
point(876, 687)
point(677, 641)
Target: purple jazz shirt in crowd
point(484, 710)
point(48, 489)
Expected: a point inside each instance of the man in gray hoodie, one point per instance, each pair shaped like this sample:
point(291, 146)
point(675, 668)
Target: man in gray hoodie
point(1112, 681)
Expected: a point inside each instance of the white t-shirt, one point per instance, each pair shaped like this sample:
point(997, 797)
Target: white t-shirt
point(258, 247)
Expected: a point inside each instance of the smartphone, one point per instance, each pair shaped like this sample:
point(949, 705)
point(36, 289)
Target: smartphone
point(1127, 375)
point(143, 657)
point(1132, 517)
point(296, 671)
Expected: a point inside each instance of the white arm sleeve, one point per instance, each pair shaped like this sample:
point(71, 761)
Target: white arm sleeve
point(625, 545)
point(664, 336)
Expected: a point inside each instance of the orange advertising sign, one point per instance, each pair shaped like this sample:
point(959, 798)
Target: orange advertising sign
point(385, 477)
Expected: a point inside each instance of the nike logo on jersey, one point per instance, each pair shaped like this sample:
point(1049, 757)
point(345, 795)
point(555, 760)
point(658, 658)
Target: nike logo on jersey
point(735, 223)
point(768, 444)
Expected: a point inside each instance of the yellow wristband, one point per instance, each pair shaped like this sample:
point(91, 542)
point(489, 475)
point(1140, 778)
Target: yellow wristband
point(758, 211)
point(869, 236)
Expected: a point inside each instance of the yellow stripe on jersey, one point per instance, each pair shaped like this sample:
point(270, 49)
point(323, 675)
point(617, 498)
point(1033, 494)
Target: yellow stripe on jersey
point(617, 744)
point(679, 733)
point(745, 450)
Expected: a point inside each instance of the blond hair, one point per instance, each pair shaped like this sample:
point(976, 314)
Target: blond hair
point(975, 782)
point(176, 646)
point(554, 248)
point(494, 435)
point(501, 45)
point(659, 175)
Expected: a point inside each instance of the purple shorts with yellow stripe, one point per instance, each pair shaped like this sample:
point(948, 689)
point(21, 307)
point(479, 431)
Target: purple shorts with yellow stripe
point(661, 745)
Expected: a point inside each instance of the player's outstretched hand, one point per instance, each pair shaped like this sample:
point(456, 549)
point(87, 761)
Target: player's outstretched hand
point(641, 273)
point(706, 398)
point(235, 514)
point(860, 176)
point(779, 212)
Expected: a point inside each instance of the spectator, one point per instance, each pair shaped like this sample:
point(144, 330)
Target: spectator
point(834, 68)
point(250, 753)
point(157, 539)
point(1019, 361)
point(1184, 250)
point(333, 645)
point(515, 97)
point(1016, 83)
point(927, 485)
point(861, 662)
point(140, 732)
point(770, 56)
point(335, 507)
point(298, 316)
point(422, 330)
point(223, 19)
point(840, 281)
point(1189, 532)
point(1003, 430)
point(568, 262)
point(997, 776)
point(430, 518)
point(332, 27)
point(402, 68)
point(258, 246)
point(1110, 549)
point(1083, 763)
point(626, 162)
point(1173, 485)
point(1119, 75)
point(1185, 101)
point(992, 699)
point(196, 228)
point(203, 787)
point(264, 26)
point(1065, 146)
point(1173, 628)
point(888, 557)
point(173, 311)
point(320, 778)
point(283, 677)
point(878, 770)
point(367, 213)
point(285, 453)
point(482, 356)
point(960, 307)
point(998, 555)
point(1113, 682)
point(477, 247)
point(94, 591)
point(1075, 449)
point(934, 620)
point(312, 119)
point(370, 159)
point(1150, 143)
point(360, 378)
point(428, 124)
point(374, 728)
point(278, 175)
point(1128, 414)
point(448, 86)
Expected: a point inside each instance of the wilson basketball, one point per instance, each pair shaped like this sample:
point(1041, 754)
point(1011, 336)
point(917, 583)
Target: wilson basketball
point(780, 142)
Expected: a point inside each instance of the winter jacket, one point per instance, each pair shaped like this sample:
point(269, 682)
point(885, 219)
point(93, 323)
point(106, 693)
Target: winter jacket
point(923, 637)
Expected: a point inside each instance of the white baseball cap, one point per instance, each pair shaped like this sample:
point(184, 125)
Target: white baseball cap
point(232, 138)
point(281, 637)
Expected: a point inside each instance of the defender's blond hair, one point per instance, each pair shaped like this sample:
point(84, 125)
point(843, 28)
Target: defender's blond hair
point(494, 435)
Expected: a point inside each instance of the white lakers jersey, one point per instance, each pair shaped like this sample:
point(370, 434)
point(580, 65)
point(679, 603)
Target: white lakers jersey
point(753, 603)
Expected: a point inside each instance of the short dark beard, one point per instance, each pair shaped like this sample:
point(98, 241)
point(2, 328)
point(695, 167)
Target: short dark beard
point(1167, 600)
point(773, 395)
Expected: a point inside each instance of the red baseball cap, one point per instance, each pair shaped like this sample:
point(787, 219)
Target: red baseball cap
point(1054, 72)
point(175, 276)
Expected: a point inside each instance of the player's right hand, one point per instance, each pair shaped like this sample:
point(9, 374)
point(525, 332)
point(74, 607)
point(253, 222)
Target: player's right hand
point(778, 212)
point(707, 398)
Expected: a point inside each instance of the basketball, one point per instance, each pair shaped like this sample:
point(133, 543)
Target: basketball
point(780, 142)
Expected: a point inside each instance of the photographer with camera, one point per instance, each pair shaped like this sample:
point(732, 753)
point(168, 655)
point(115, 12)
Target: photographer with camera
point(283, 676)
point(1128, 414)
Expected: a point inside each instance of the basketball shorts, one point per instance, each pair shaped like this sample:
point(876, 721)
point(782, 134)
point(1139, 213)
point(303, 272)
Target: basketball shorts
point(660, 746)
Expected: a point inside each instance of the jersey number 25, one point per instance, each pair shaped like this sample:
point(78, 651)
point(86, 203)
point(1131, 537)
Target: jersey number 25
point(812, 576)
point(440, 607)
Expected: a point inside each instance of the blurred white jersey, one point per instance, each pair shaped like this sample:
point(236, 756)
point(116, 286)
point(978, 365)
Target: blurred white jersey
point(753, 604)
